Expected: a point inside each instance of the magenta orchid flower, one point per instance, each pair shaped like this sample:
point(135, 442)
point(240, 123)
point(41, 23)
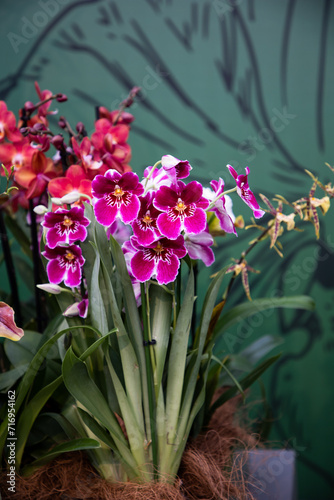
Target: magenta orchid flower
point(160, 259)
point(8, 328)
point(198, 247)
point(220, 209)
point(145, 225)
point(77, 309)
point(245, 193)
point(65, 264)
point(65, 226)
point(116, 195)
point(175, 168)
point(183, 209)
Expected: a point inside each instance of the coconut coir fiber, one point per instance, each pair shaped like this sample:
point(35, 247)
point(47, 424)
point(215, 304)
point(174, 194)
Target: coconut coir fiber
point(207, 472)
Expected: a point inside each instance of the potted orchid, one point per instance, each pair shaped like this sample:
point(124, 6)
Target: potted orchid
point(134, 379)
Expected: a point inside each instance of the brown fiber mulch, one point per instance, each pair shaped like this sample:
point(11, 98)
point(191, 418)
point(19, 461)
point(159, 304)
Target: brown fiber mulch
point(207, 472)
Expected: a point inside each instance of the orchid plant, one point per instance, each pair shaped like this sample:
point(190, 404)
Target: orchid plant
point(132, 382)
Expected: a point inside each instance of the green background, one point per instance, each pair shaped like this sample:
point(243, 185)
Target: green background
point(247, 83)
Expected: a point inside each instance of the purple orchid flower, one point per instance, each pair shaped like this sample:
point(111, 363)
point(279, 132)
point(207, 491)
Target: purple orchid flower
point(65, 264)
point(65, 226)
point(77, 309)
point(244, 192)
point(117, 196)
point(198, 247)
point(145, 226)
point(221, 211)
point(175, 168)
point(121, 232)
point(160, 259)
point(183, 209)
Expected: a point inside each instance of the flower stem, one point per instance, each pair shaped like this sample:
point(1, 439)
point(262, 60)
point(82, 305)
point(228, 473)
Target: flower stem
point(212, 204)
point(149, 372)
point(151, 172)
point(242, 258)
point(36, 266)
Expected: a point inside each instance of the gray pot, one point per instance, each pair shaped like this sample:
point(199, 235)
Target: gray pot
point(270, 474)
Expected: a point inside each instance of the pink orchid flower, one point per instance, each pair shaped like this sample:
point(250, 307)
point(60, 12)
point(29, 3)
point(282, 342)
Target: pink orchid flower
point(65, 226)
point(245, 193)
point(183, 209)
point(160, 259)
point(8, 328)
point(65, 264)
point(116, 195)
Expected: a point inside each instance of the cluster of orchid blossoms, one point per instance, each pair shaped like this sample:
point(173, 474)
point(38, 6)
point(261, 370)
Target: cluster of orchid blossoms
point(167, 219)
point(25, 143)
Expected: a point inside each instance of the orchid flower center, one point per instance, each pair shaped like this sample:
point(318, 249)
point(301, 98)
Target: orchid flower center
point(180, 206)
point(159, 248)
point(118, 192)
point(69, 256)
point(67, 221)
point(147, 218)
point(2, 131)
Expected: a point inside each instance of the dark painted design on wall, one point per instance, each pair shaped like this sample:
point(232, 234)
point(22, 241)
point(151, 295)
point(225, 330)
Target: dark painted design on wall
point(222, 37)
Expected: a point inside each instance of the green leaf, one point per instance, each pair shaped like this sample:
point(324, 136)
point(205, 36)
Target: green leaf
point(176, 368)
point(259, 348)
point(201, 335)
point(243, 311)
point(35, 405)
point(29, 415)
point(8, 379)
point(74, 445)
point(231, 376)
point(160, 316)
point(244, 383)
point(21, 353)
point(83, 388)
point(30, 375)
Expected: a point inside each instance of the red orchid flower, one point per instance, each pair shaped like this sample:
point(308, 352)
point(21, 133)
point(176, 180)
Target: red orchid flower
point(37, 175)
point(75, 180)
point(18, 154)
point(8, 127)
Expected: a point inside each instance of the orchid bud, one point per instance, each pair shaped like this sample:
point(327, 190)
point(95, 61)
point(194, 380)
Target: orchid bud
point(38, 127)
point(72, 310)
point(57, 201)
point(40, 210)
point(61, 97)
point(25, 131)
point(29, 106)
point(80, 128)
point(70, 198)
point(51, 288)
point(58, 142)
point(62, 122)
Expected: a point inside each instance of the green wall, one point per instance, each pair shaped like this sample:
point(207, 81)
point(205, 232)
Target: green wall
point(247, 82)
